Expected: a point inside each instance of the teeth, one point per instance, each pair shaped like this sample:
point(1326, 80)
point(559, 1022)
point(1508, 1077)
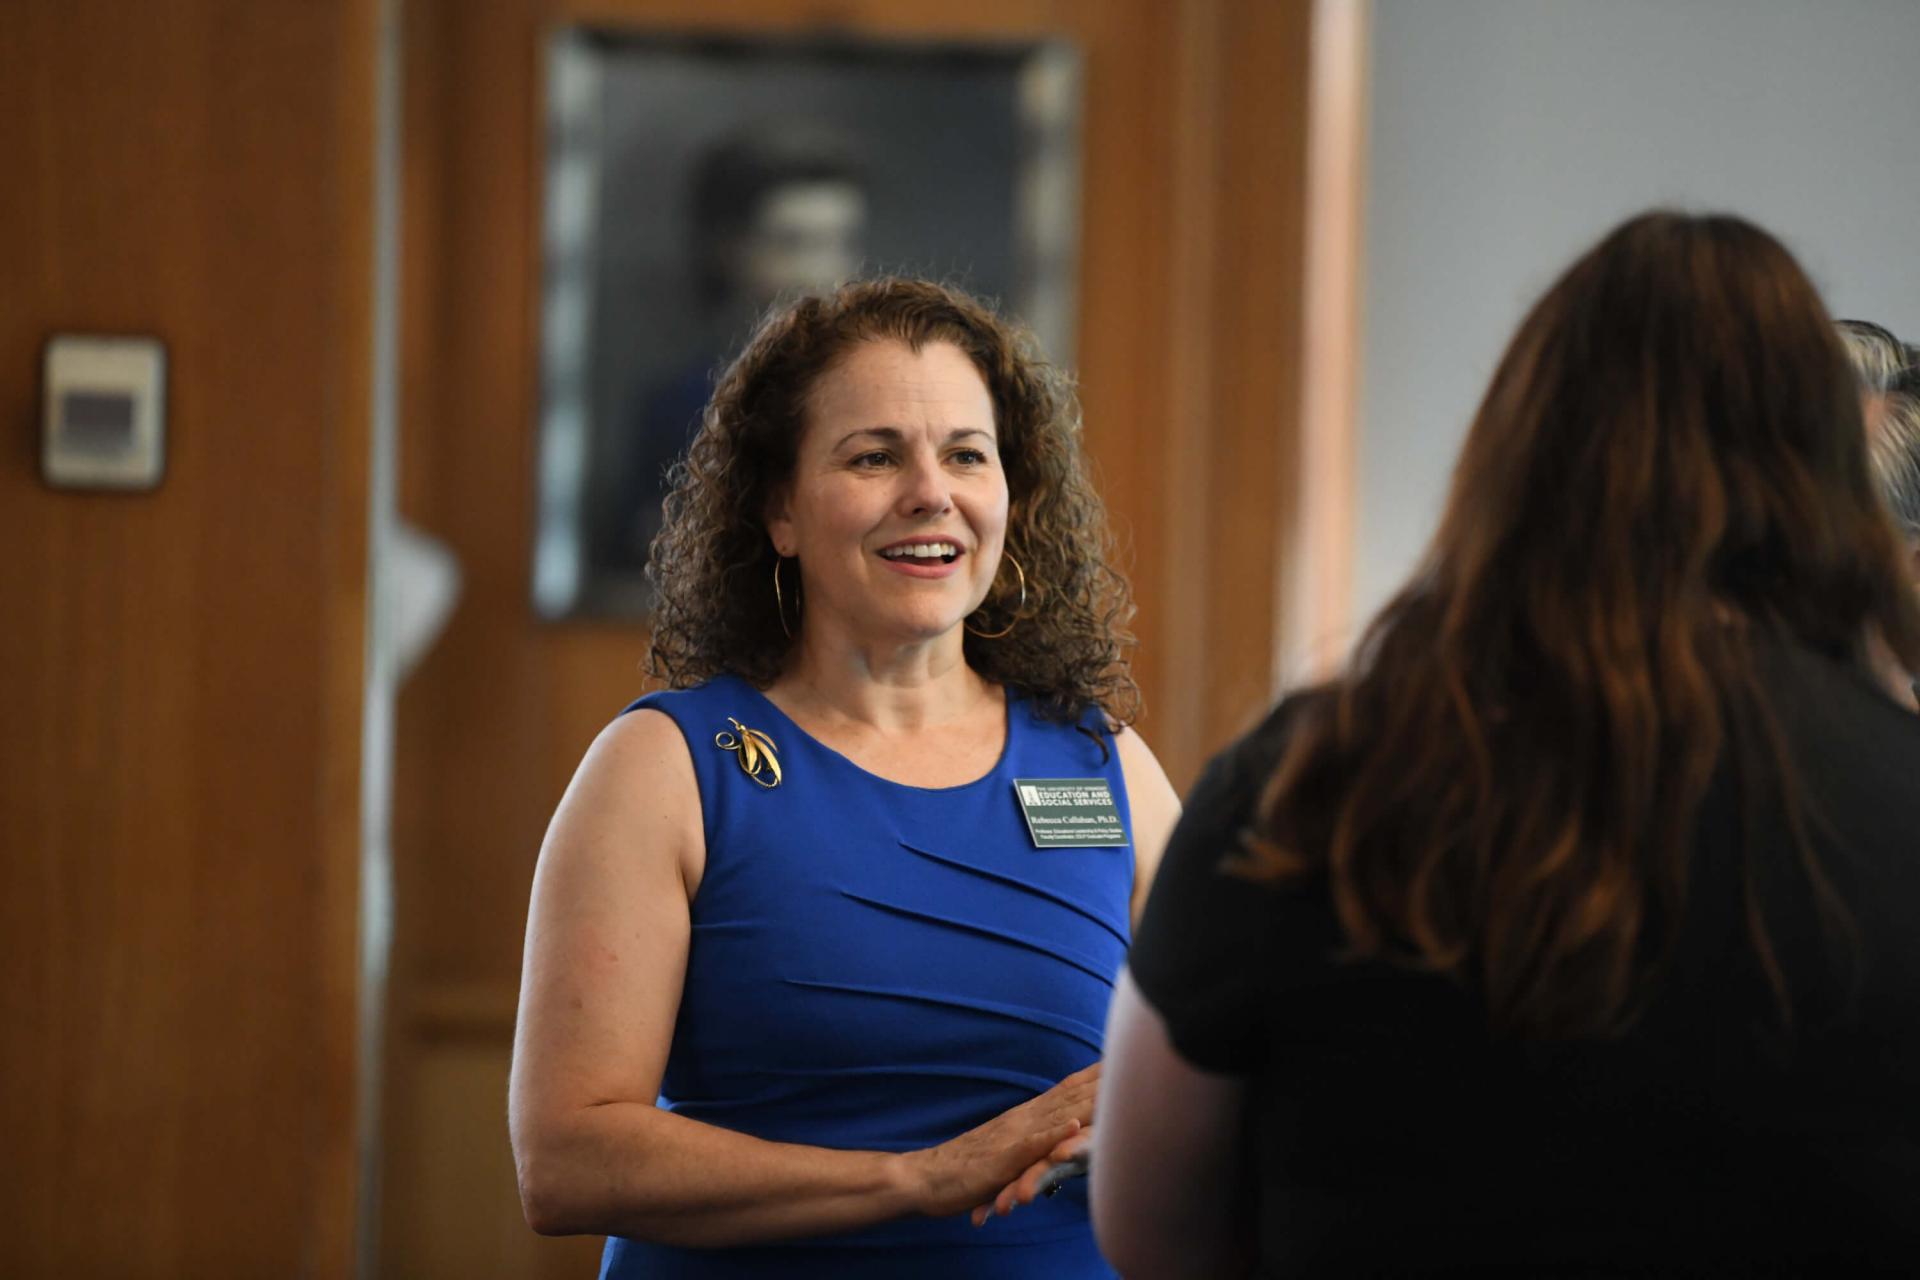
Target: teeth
point(921, 551)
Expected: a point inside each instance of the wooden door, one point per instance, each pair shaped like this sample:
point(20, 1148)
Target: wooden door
point(180, 670)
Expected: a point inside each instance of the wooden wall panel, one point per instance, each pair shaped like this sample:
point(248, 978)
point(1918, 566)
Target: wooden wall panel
point(467, 1224)
point(1259, 232)
point(1188, 359)
point(1312, 618)
point(180, 670)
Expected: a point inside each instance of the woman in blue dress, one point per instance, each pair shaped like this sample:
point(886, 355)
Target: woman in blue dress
point(822, 938)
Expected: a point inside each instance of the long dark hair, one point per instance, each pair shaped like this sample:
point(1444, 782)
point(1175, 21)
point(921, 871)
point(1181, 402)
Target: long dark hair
point(1065, 644)
point(1502, 784)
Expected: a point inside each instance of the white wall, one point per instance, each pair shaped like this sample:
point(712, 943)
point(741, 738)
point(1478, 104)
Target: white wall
point(1507, 135)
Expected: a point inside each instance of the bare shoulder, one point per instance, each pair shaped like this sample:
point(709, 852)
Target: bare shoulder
point(1155, 808)
point(635, 791)
point(646, 740)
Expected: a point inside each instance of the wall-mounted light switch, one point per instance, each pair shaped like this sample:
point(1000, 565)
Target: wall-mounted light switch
point(104, 424)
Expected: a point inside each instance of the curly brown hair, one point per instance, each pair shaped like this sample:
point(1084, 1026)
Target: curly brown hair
point(712, 564)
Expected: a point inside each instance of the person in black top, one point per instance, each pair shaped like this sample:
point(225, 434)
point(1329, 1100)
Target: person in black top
point(1573, 927)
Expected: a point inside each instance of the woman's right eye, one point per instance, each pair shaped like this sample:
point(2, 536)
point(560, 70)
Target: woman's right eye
point(875, 458)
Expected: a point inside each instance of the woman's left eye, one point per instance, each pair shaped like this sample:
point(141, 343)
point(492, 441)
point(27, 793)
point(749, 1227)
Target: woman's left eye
point(969, 457)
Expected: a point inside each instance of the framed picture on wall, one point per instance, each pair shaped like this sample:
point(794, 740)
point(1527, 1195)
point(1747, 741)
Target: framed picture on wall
point(693, 181)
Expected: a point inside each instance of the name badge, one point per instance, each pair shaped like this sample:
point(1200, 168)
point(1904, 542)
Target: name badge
point(1070, 813)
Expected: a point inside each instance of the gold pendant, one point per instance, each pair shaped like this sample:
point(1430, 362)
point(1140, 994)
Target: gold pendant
point(753, 749)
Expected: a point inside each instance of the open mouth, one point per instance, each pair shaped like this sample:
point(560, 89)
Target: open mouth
point(922, 552)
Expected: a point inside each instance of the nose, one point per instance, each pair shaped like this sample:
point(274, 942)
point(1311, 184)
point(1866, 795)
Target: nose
point(924, 490)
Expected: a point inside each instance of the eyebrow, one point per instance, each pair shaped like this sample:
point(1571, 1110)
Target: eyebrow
point(895, 435)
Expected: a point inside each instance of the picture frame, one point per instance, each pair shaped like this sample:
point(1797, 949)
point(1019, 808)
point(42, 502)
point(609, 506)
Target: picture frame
point(691, 181)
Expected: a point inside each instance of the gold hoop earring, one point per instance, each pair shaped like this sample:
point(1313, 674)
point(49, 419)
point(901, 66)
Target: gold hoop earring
point(779, 601)
point(995, 635)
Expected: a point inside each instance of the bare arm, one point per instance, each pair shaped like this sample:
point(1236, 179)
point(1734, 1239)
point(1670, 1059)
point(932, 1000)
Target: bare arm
point(1155, 811)
point(1168, 1195)
point(607, 937)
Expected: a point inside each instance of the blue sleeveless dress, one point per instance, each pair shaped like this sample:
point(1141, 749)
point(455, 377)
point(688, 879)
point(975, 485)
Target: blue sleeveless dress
point(882, 967)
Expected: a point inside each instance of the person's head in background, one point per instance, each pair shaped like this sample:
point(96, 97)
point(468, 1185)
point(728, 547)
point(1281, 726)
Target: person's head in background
point(1888, 372)
point(1668, 466)
point(777, 210)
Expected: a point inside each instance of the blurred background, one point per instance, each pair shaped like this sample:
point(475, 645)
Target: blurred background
point(279, 734)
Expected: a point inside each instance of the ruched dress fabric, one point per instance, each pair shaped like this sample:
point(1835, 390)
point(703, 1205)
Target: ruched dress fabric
point(882, 967)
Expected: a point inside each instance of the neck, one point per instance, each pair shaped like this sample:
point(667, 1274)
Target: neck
point(891, 687)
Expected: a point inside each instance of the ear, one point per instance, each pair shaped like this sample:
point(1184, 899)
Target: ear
point(778, 519)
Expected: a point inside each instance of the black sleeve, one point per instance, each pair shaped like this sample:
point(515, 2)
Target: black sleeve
point(1206, 952)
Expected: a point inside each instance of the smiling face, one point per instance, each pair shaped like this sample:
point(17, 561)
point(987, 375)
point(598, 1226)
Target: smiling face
point(897, 508)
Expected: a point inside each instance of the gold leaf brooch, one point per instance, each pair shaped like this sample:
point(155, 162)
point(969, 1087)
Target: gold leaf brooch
point(753, 749)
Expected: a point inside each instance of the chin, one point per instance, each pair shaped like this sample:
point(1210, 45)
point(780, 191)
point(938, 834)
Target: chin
point(922, 627)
